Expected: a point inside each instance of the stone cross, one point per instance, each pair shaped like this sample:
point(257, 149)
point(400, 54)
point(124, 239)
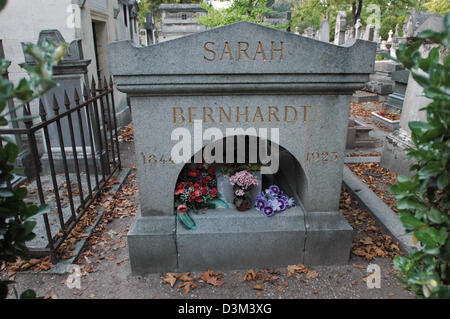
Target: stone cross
point(358, 26)
point(389, 40)
point(324, 31)
point(339, 31)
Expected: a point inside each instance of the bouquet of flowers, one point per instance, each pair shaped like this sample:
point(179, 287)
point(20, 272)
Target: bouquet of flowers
point(273, 200)
point(196, 190)
point(242, 182)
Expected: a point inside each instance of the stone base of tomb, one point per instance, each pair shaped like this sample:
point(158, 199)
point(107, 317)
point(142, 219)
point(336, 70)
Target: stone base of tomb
point(58, 161)
point(227, 239)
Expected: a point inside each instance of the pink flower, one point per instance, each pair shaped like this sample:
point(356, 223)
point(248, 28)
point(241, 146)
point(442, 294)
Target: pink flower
point(239, 192)
point(243, 179)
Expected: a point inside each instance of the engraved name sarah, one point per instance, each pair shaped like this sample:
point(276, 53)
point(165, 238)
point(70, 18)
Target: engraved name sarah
point(243, 51)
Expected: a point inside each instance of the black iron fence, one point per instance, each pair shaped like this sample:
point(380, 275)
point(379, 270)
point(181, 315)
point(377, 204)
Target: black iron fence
point(74, 151)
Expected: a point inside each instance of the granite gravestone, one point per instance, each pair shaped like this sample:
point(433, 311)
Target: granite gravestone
point(242, 75)
point(339, 31)
point(324, 31)
point(70, 74)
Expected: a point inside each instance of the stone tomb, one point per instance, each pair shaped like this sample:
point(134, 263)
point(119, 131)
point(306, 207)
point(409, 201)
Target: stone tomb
point(242, 76)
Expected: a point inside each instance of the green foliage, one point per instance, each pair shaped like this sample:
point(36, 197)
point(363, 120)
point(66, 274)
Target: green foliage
point(389, 23)
point(240, 10)
point(424, 199)
point(16, 215)
point(438, 6)
point(309, 13)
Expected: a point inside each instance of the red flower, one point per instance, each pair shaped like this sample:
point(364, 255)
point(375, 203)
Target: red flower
point(198, 200)
point(179, 191)
point(189, 184)
point(207, 180)
point(196, 186)
point(182, 209)
point(193, 173)
point(204, 190)
point(213, 192)
point(197, 193)
point(211, 170)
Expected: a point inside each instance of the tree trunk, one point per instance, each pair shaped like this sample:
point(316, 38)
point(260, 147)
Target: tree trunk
point(356, 11)
point(250, 7)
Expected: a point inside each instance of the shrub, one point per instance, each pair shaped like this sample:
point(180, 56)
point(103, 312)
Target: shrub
point(423, 199)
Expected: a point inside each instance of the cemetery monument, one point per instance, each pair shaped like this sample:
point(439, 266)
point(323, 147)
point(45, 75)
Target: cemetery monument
point(253, 78)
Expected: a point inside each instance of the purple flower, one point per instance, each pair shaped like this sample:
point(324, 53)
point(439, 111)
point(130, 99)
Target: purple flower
point(282, 204)
point(268, 211)
point(274, 189)
point(260, 203)
point(290, 202)
point(275, 205)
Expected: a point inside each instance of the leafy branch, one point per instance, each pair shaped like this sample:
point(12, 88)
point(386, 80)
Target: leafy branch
point(423, 199)
point(16, 215)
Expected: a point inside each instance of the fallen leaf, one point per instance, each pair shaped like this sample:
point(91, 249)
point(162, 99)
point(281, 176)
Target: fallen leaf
point(258, 287)
point(295, 269)
point(120, 262)
point(187, 285)
point(312, 274)
point(211, 278)
point(359, 266)
point(170, 278)
point(250, 275)
point(185, 277)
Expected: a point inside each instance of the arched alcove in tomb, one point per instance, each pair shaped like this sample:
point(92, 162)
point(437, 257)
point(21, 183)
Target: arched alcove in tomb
point(287, 172)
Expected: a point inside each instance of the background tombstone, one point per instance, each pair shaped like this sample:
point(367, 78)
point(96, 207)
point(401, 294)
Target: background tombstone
point(312, 77)
point(70, 74)
point(339, 31)
point(394, 155)
point(347, 33)
point(368, 34)
point(309, 32)
point(358, 30)
point(324, 31)
point(395, 100)
point(376, 33)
